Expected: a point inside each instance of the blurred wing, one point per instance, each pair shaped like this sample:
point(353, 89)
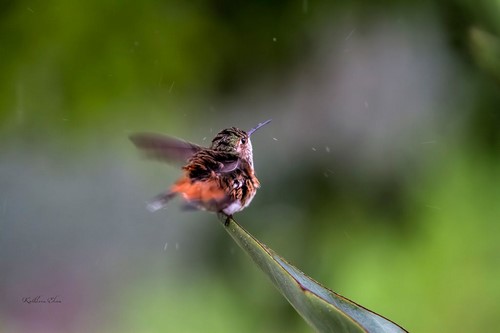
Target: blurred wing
point(206, 163)
point(229, 165)
point(164, 148)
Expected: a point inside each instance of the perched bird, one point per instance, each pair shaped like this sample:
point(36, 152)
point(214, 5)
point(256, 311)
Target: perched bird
point(220, 178)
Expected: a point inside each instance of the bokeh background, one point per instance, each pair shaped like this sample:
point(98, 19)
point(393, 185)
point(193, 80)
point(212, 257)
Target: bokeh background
point(380, 170)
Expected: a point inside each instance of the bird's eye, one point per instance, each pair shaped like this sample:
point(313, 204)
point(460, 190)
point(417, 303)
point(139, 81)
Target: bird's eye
point(243, 141)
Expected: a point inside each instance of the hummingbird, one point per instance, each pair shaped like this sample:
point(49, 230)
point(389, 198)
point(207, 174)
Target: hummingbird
point(220, 178)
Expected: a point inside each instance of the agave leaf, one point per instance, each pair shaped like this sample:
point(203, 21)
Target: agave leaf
point(323, 309)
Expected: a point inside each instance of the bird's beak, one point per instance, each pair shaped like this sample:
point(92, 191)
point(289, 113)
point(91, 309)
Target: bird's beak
point(250, 132)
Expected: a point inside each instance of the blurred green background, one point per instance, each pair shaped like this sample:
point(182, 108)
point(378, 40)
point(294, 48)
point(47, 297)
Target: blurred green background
point(380, 171)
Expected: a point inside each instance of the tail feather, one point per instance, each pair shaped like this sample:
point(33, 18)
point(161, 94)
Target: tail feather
point(204, 195)
point(160, 201)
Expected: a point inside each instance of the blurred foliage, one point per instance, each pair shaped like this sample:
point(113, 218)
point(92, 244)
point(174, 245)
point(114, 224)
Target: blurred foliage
point(410, 231)
point(76, 59)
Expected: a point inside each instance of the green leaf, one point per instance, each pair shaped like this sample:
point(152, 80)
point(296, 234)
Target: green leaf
point(320, 307)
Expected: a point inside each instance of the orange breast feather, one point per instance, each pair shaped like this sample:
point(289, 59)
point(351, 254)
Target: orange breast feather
point(206, 193)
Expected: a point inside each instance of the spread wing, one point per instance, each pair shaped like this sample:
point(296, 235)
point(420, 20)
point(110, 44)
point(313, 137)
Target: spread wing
point(164, 148)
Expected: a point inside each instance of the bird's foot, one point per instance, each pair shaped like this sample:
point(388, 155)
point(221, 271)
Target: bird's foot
point(224, 217)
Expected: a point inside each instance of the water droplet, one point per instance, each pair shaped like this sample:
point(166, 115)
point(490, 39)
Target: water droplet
point(350, 34)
